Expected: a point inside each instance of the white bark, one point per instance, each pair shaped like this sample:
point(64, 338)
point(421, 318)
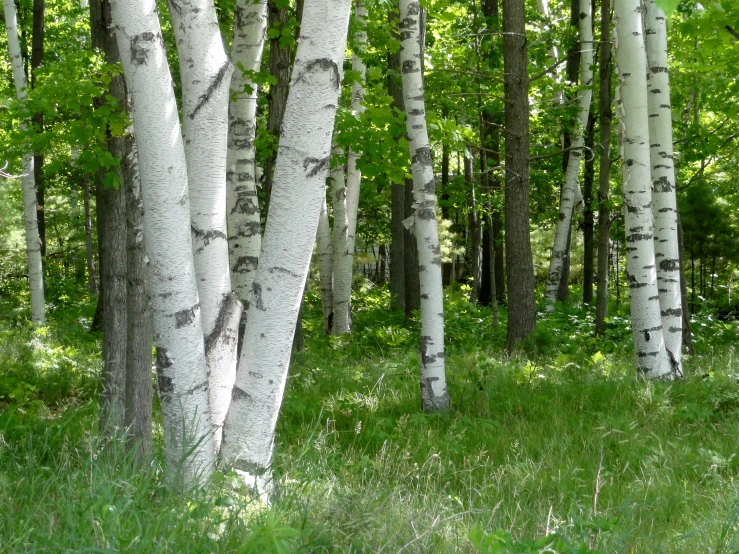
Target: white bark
point(180, 360)
point(434, 395)
point(28, 183)
point(244, 227)
point(651, 355)
point(342, 272)
point(303, 160)
point(664, 201)
point(342, 295)
point(571, 188)
point(206, 73)
point(325, 265)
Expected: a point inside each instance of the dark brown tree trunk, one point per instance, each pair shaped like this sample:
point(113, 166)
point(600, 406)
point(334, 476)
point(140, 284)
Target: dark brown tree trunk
point(383, 269)
point(687, 335)
point(412, 277)
point(604, 183)
point(572, 74)
point(139, 322)
point(279, 67)
point(519, 262)
point(588, 224)
point(92, 285)
point(37, 58)
point(111, 220)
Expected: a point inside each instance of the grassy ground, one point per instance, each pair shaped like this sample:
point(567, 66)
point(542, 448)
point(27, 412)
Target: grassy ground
point(559, 446)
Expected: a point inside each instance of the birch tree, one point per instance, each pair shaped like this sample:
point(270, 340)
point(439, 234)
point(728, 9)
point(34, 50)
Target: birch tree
point(646, 324)
point(33, 243)
point(342, 290)
point(302, 165)
point(571, 185)
point(434, 395)
point(664, 201)
point(345, 262)
point(206, 73)
point(244, 227)
point(324, 246)
point(180, 354)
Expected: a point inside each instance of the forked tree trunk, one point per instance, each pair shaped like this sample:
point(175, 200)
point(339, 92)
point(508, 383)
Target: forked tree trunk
point(33, 243)
point(434, 395)
point(301, 169)
point(519, 261)
point(244, 226)
point(560, 250)
point(205, 91)
point(345, 261)
point(325, 264)
point(180, 353)
point(651, 355)
point(604, 183)
point(664, 201)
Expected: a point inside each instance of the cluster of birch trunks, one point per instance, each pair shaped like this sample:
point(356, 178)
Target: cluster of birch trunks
point(224, 295)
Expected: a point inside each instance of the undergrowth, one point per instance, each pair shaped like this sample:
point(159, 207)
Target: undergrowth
point(555, 448)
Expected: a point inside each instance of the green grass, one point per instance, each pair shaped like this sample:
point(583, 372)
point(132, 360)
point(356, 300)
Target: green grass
point(530, 443)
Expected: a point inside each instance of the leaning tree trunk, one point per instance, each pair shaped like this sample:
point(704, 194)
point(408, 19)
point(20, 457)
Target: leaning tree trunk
point(434, 395)
point(180, 353)
point(651, 355)
point(244, 227)
point(302, 165)
point(604, 182)
point(560, 249)
point(325, 250)
point(345, 261)
point(664, 201)
point(205, 92)
point(519, 261)
point(33, 244)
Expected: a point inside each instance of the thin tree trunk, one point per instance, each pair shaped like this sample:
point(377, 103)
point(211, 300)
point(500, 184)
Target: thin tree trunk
point(687, 335)
point(446, 267)
point(664, 201)
point(325, 264)
point(111, 222)
point(475, 231)
point(604, 183)
point(92, 285)
point(30, 212)
point(434, 395)
point(651, 355)
point(588, 225)
point(279, 67)
point(342, 289)
point(560, 250)
point(519, 261)
point(243, 218)
point(563, 291)
point(299, 191)
point(180, 352)
point(410, 262)
point(37, 58)
point(205, 98)
point(140, 331)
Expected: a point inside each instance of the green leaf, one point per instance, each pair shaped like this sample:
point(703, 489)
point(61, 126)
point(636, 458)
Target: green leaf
point(667, 6)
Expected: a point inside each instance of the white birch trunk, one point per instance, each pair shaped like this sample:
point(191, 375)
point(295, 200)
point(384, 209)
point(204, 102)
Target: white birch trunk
point(303, 160)
point(571, 188)
point(342, 272)
point(325, 265)
point(180, 354)
point(434, 395)
point(342, 295)
point(244, 227)
point(206, 73)
point(651, 355)
point(28, 183)
point(664, 201)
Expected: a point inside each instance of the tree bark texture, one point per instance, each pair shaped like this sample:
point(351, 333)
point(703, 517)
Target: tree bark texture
point(180, 353)
point(325, 249)
point(651, 355)
point(302, 166)
point(28, 183)
point(243, 218)
point(342, 284)
point(664, 201)
point(434, 395)
point(604, 183)
point(206, 75)
point(560, 250)
point(519, 261)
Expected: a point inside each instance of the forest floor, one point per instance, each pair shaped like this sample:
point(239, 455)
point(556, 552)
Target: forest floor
point(559, 446)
